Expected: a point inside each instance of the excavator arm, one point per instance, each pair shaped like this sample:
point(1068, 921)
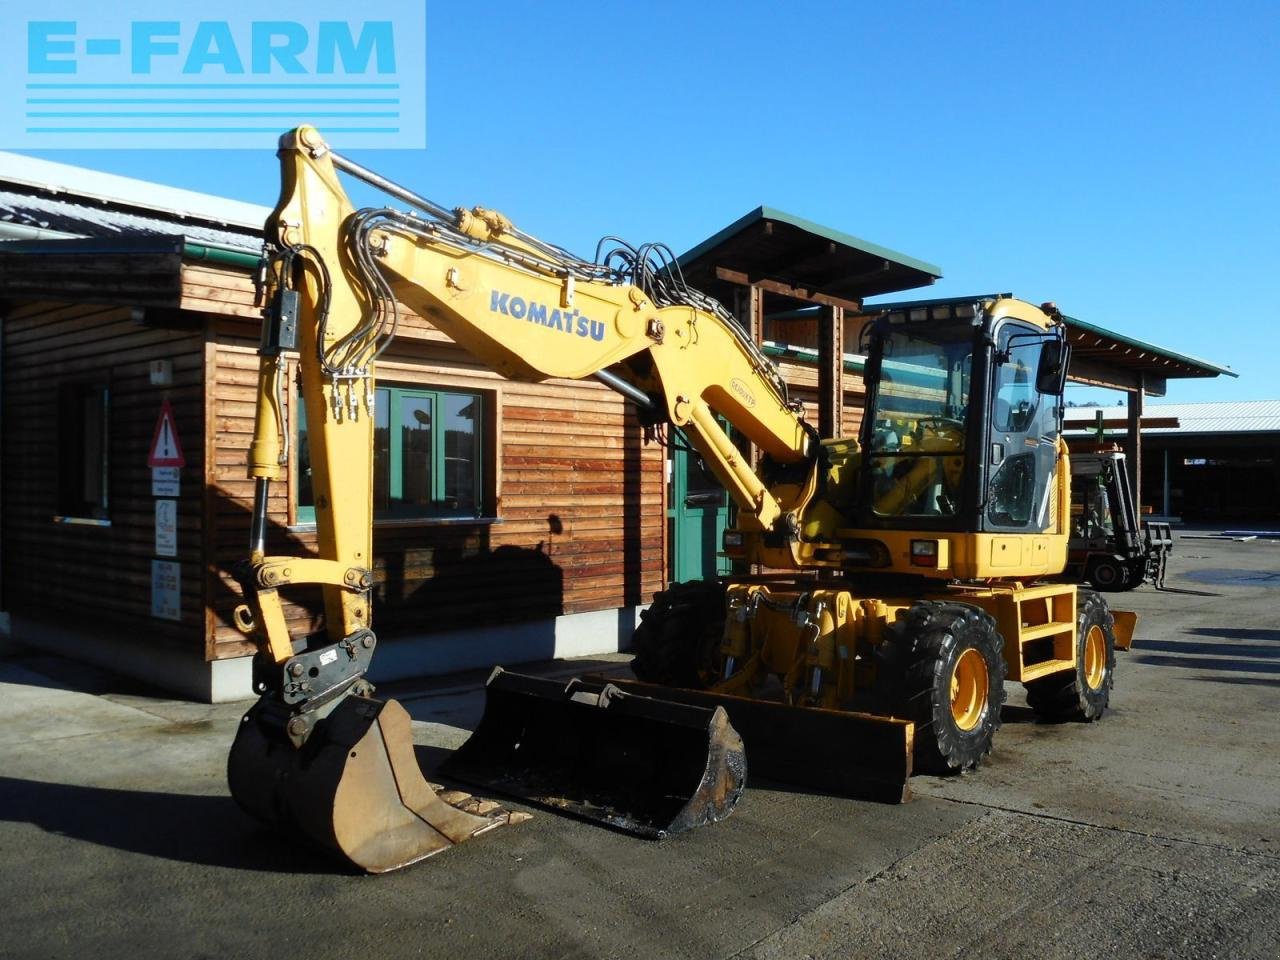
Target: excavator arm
point(336, 281)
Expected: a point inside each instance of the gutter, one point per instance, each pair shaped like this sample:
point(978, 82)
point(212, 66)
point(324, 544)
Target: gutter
point(203, 253)
point(192, 252)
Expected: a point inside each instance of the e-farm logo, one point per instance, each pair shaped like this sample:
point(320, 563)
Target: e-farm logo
point(213, 73)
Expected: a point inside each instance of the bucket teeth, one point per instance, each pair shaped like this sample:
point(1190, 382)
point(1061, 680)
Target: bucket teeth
point(354, 787)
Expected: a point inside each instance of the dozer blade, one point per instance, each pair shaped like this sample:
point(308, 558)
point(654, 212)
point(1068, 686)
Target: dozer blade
point(850, 754)
point(1126, 621)
point(642, 765)
point(353, 787)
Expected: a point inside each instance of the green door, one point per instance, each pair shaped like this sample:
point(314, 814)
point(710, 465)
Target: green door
point(697, 514)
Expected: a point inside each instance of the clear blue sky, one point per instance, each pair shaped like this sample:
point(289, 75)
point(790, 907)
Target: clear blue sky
point(1122, 159)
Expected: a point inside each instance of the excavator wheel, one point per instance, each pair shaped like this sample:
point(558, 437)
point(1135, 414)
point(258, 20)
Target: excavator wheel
point(677, 642)
point(954, 683)
point(1084, 692)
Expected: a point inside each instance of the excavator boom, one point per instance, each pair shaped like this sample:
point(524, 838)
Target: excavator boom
point(318, 752)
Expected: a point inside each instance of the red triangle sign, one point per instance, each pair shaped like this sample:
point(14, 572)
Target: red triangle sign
point(166, 451)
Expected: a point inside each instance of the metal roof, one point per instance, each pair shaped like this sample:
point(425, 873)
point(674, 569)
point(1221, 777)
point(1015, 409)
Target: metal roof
point(42, 200)
point(45, 176)
point(24, 216)
point(1118, 350)
point(1227, 416)
point(771, 244)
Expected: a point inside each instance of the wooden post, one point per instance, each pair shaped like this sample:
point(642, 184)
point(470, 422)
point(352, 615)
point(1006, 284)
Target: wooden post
point(748, 307)
point(1133, 445)
point(830, 370)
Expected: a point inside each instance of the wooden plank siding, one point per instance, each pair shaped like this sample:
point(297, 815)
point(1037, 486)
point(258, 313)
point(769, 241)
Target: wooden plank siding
point(98, 576)
point(577, 495)
point(577, 498)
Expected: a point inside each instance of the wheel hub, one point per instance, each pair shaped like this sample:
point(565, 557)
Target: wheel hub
point(969, 683)
point(1095, 657)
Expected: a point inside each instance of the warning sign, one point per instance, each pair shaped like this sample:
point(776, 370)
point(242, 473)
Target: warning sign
point(166, 451)
point(166, 590)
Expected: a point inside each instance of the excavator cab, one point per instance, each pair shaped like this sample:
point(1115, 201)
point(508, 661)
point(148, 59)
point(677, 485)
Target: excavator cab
point(963, 415)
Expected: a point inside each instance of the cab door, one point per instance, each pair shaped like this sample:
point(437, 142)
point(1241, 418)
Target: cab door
point(1023, 448)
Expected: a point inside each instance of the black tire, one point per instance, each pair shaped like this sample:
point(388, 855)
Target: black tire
point(1082, 693)
point(937, 637)
point(1107, 573)
point(677, 642)
point(1137, 574)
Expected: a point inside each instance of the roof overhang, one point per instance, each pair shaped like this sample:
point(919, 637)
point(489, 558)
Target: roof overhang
point(800, 259)
point(1102, 357)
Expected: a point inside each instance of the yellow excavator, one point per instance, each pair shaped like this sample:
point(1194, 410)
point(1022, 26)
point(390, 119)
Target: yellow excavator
point(897, 577)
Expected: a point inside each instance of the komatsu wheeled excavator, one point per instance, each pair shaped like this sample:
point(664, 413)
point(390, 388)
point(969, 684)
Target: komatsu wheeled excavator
point(896, 579)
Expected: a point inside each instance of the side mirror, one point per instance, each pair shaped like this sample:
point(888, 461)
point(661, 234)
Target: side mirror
point(1051, 374)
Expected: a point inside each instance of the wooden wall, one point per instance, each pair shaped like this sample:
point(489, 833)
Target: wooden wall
point(803, 380)
point(98, 575)
point(578, 495)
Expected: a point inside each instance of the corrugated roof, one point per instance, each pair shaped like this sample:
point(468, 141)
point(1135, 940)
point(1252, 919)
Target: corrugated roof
point(43, 200)
point(45, 176)
point(43, 216)
point(1227, 416)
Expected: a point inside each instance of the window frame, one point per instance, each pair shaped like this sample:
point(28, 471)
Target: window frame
point(388, 397)
point(72, 454)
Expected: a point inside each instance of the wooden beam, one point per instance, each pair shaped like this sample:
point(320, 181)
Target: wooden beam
point(748, 307)
point(786, 289)
point(1116, 423)
point(830, 370)
point(1099, 373)
point(1133, 446)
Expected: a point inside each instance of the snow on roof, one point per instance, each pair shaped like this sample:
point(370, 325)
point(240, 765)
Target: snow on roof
point(48, 177)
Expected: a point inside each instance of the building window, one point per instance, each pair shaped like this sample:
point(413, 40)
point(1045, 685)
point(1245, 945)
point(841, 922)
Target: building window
point(427, 455)
point(83, 415)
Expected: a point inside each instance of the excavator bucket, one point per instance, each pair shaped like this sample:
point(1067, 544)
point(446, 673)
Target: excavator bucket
point(1126, 621)
point(639, 764)
point(841, 752)
point(353, 787)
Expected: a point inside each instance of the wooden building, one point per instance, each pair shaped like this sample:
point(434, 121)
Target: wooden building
point(515, 522)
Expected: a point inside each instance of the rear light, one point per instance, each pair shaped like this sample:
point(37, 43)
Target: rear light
point(924, 553)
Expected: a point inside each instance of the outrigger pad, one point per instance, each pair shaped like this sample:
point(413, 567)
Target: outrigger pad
point(840, 752)
point(354, 787)
point(639, 764)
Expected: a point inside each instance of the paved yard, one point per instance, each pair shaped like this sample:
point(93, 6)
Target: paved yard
point(1155, 833)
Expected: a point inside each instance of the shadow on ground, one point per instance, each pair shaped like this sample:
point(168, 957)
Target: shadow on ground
point(210, 831)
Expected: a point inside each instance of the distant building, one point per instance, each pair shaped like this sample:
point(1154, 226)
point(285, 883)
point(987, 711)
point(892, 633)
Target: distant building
point(1221, 464)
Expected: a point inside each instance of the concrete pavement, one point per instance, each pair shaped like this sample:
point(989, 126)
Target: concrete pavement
point(1155, 833)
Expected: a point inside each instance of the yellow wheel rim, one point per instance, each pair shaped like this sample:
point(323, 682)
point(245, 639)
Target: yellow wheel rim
point(1095, 657)
point(969, 683)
